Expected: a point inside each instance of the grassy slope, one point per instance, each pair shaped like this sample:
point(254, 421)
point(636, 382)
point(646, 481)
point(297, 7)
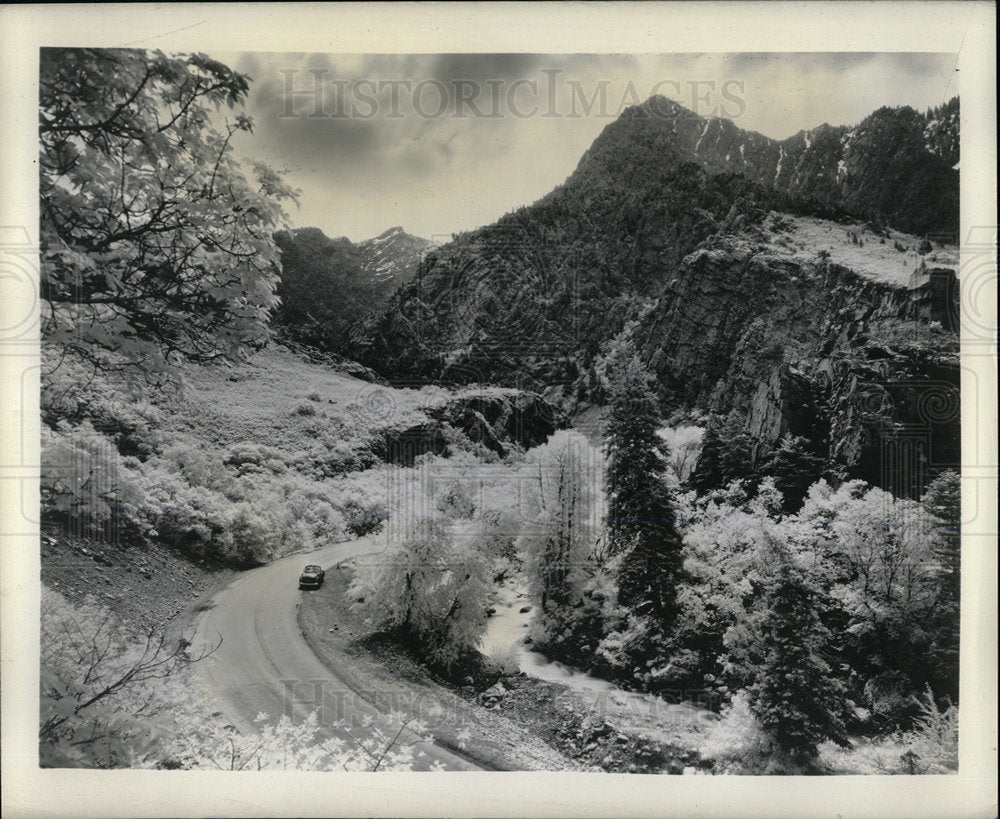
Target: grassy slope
point(258, 404)
point(261, 402)
point(874, 259)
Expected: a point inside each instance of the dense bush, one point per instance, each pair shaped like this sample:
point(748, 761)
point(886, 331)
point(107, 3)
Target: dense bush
point(428, 588)
point(570, 583)
point(737, 744)
point(87, 484)
point(874, 564)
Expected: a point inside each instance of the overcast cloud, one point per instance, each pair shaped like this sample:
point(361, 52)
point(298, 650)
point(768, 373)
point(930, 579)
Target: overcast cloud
point(445, 143)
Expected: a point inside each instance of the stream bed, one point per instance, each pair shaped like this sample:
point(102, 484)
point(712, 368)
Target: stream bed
point(645, 714)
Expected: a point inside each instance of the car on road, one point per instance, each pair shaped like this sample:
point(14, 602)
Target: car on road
point(312, 577)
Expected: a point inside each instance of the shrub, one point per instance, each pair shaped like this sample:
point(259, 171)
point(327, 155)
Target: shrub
point(188, 517)
point(932, 744)
point(506, 658)
point(362, 519)
point(429, 589)
point(631, 651)
point(200, 468)
point(779, 223)
point(86, 483)
point(736, 743)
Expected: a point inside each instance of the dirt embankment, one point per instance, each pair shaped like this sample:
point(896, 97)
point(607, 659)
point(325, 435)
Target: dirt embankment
point(533, 725)
point(145, 586)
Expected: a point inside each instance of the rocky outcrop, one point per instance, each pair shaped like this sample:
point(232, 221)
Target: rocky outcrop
point(500, 421)
point(403, 447)
point(813, 349)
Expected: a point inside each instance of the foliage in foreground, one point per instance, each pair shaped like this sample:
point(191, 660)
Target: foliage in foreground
point(156, 243)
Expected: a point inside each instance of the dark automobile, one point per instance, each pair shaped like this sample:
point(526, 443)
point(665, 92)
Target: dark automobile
point(312, 577)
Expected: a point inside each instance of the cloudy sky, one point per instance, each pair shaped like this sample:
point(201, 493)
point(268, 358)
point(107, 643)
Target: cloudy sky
point(444, 143)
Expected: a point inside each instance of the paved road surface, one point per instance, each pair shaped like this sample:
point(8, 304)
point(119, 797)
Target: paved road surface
point(265, 666)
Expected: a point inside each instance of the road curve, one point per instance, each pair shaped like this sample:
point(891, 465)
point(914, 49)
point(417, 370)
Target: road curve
point(264, 664)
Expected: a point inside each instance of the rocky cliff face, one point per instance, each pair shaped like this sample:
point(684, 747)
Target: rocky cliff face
point(808, 347)
point(499, 421)
point(703, 245)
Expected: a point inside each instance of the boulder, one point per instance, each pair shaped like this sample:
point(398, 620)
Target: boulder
point(493, 695)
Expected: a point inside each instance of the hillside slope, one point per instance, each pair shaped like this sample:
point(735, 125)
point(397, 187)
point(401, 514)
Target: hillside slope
point(281, 454)
point(328, 284)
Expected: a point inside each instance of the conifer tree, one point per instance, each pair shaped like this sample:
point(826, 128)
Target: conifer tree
point(796, 698)
point(726, 455)
point(641, 515)
point(943, 500)
point(794, 469)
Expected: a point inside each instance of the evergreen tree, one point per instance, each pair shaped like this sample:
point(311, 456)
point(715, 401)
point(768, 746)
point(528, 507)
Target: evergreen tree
point(943, 500)
point(726, 455)
point(794, 469)
point(641, 515)
point(795, 698)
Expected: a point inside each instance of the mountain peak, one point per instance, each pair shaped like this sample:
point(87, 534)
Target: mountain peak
point(859, 171)
point(664, 108)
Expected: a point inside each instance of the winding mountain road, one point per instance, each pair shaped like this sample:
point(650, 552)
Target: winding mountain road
point(264, 664)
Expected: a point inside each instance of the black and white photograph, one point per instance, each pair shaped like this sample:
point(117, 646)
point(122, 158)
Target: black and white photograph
point(598, 412)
